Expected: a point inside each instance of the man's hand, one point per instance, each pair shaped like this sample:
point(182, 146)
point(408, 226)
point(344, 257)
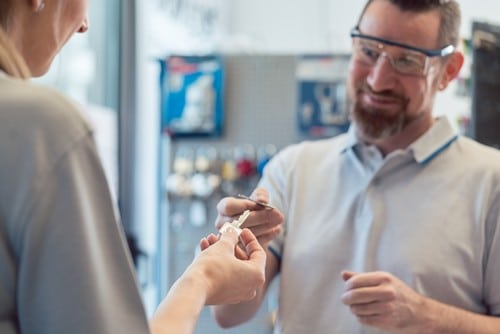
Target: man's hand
point(263, 222)
point(381, 300)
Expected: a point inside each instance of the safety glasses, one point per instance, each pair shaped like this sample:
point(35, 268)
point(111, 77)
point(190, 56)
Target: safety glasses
point(405, 59)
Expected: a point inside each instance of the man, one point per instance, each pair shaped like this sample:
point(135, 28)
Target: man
point(392, 227)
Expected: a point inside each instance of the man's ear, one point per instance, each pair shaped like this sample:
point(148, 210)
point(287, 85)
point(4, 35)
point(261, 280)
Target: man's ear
point(452, 68)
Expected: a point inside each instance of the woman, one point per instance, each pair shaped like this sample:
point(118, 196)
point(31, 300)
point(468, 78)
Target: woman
point(64, 266)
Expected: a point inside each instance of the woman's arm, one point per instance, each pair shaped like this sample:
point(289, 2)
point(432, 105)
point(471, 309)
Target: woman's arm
point(216, 276)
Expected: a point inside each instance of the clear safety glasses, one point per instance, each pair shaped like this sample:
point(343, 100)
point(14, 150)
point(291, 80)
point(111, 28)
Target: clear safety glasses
point(405, 59)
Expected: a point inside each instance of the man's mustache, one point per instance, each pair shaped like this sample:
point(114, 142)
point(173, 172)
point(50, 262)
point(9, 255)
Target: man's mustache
point(383, 94)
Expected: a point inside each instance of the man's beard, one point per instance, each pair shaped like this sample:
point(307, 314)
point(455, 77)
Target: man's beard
point(377, 123)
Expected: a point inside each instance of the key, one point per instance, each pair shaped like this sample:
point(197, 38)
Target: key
point(241, 219)
point(236, 224)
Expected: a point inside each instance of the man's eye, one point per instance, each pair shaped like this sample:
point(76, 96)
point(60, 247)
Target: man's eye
point(410, 61)
point(370, 52)
point(406, 61)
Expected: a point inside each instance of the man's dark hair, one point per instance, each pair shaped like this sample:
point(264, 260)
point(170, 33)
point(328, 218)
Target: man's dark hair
point(449, 12)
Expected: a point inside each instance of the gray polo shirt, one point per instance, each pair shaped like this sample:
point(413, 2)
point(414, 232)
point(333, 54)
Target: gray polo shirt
point(64, 267)
point(428, 214)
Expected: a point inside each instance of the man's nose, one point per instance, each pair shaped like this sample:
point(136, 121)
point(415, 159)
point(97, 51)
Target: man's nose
point(382, 75)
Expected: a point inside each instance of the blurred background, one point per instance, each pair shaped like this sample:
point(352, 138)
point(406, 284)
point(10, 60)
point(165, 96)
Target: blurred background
point(191, 98)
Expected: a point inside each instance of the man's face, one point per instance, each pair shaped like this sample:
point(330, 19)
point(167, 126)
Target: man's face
point(391, 86)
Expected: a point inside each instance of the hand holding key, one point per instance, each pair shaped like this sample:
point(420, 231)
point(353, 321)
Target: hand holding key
point(263, 220)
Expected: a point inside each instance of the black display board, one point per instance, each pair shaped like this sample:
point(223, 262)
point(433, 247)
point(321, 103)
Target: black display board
point(485, 75)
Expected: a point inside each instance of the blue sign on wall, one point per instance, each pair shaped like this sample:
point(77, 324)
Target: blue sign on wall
point(191, 95)
point(322, 97)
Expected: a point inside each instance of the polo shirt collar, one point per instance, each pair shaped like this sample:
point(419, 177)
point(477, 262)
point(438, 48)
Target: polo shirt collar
point(351, 139)
point(425, 148)
point(434, 141)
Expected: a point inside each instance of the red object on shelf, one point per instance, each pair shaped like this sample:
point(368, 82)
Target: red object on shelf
point(245, 167)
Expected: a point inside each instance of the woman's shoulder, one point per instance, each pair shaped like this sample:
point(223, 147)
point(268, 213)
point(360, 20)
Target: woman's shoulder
point(26, 104)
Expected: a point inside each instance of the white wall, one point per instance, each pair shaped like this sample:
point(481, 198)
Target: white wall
point(291, 26)
point(482, 10)
point(308, 26)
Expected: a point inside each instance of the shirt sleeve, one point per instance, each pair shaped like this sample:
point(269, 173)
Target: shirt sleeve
point(492, 257)
point(276, 179)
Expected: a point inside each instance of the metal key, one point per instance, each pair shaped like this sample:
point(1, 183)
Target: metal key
point(237, 222)
point(241, 219)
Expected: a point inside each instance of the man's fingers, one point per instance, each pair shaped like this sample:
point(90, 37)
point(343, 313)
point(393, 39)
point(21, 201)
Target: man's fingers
point(260, 194)
point(356, 280)
point(230, 207)
point(347, 274)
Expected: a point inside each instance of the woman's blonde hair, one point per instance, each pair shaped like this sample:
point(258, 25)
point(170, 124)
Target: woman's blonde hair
point(11, 61)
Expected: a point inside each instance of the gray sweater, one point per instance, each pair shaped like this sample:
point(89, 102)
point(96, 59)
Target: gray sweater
point(64, 265)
